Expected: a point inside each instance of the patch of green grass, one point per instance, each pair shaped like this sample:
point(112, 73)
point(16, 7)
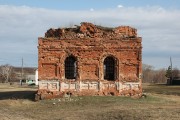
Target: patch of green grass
point(161, 89)
point(156, 106)
point(101, 101)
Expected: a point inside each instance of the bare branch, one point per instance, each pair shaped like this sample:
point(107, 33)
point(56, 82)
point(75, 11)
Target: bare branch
point(5, 71)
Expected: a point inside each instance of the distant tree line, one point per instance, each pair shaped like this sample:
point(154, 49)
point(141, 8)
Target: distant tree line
point(9, 73)
point(150, 75)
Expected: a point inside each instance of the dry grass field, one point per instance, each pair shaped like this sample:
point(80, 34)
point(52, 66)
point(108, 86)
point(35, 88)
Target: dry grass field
point(162, 103)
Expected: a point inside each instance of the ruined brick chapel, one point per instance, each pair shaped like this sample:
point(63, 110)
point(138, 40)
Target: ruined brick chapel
point(90, 60)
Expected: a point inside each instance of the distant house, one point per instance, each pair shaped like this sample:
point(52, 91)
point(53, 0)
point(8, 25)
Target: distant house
point(36, 77)
point(18, 74)
point(30, 79)
point(174, 81)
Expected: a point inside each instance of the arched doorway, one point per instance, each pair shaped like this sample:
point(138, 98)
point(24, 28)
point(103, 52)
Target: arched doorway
point(70, 67)
point(109, 68)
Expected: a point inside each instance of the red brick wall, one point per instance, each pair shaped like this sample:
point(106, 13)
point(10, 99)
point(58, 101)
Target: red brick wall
point(90, 54)
point(90, 45)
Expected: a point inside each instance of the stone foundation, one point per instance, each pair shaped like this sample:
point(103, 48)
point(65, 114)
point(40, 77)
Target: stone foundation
point(53, 89)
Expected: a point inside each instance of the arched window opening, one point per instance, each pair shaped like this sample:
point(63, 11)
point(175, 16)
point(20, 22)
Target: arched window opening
point(109, 68)
point(70, 68)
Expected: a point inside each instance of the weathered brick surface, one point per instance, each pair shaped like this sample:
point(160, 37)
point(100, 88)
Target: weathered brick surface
point(90, 45)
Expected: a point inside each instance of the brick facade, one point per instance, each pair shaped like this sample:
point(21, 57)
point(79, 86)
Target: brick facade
point(105, 61)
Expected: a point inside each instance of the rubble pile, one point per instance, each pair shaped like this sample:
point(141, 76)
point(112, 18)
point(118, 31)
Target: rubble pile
point(89, 30)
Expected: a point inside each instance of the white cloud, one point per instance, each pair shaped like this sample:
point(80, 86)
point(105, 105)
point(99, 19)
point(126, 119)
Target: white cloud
point(120, 6)
point(22, 25)
point(92, 9)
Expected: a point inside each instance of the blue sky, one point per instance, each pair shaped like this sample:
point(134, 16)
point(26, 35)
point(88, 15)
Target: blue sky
point(23, 21)
point(87, 4)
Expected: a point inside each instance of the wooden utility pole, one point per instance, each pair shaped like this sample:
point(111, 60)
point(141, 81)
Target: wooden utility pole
point(171, 71)
point(22, 71)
